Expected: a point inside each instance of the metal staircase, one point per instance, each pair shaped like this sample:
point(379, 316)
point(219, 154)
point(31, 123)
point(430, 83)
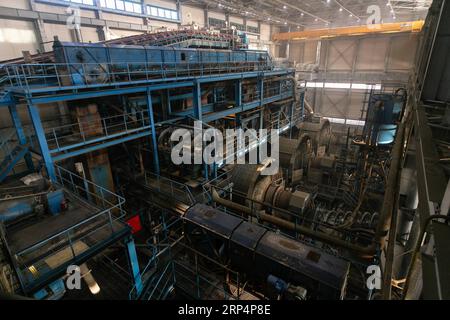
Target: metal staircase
point(160, 285)
point(12, 154)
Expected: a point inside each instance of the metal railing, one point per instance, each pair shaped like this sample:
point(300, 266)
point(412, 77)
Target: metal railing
point(76, 239)
point(160, 286)
point(175, 190)
point(201, 282)
point(61, 75)
point(6, 143)
point(85, 132)
point(10, 151)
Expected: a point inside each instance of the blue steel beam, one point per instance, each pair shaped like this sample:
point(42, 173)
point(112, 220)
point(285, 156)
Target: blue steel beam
point(45, 152)
point(114, 136)
point(107, 92)
point(20, 133)
point(238, 92)
point(206, 118)
point(198, 114)
point(100, 146)
point(114, 89)
point(153, 130)
point(134, 265)
point(291, 118)
point(6, 100)
point(197, 101)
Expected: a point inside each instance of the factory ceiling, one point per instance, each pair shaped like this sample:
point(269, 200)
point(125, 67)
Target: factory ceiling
point(320, 13)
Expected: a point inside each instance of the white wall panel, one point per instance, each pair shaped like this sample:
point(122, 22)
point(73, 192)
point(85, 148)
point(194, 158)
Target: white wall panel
point(403, 52)
point(192, 15)
point(89, 34)
point(117, 33)
point(162, 4)
point(18, 4)
point(371, 53)
point(15, 37)
point(265, 32)
point(236, 19)
point(216, 15)
point(341, 54)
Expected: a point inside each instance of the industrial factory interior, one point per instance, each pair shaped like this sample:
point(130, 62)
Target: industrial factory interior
point(226, 150)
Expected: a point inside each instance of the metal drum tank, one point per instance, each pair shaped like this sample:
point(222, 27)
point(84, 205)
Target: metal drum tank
point(384, 113)
point(259, 253)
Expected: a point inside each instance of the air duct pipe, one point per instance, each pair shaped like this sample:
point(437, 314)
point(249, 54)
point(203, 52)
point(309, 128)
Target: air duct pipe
point(294, 83)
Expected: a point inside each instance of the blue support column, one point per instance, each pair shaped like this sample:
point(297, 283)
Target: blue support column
point(197, 101)
point(20, 133)
point(134, 265)
point(215, 166)
point(40, 133)
point(238, 93)
point(302, 103)
point(152, 125)
point(261, 100)
point(238, 97)
point(261, 90)
point(198, 114)
point(291, 119)
point(169, 103)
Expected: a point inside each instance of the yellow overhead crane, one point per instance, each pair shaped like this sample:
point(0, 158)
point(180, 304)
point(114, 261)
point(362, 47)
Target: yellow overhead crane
point(314, 34)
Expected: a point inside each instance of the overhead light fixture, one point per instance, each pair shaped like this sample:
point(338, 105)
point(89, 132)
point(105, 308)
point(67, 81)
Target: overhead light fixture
point(302, 14)
point(284, 7)
point(340, 9)
point(316, 19)
point(350, 15)
point(86, 274)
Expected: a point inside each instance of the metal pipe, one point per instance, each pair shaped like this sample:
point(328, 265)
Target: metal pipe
point(391, 188)
point(16, 210)
point(417, 249)
point(365, 252)
point(385, 216)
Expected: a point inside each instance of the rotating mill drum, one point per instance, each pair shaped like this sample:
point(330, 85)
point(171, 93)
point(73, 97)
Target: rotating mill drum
point(249, 183)
point(295, 156)
point(320, 133)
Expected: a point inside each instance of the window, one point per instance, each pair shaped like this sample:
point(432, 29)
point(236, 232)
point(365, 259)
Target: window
point(335, 85)
point(87, 2)
point(213, 22)
point(238, 26)
point(158, 12)
point(120, 5)
point(152, 11)
point(252, 29)
point(134, 6)
point(349, 122)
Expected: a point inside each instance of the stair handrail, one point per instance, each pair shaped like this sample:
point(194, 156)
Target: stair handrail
point(4, 142)
point(163, 274)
